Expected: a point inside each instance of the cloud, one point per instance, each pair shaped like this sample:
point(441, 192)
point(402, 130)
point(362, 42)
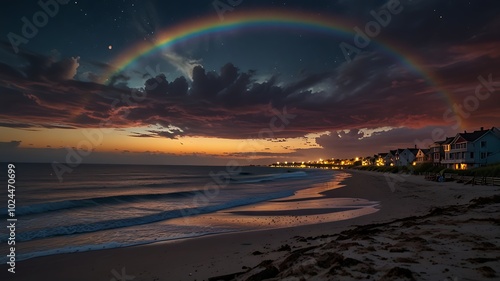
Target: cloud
point(65, 69)
point(341, 144)
point(170, 132)
point(8, 145)
point(38, 67)
point(118, 79)
point(372, 91)
point(183, 64)
point(89, 76)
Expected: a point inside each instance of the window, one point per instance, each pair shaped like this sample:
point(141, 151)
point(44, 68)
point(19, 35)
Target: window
point(483, 155)
point(483, 144)
point(446, 147)
point(472, 155)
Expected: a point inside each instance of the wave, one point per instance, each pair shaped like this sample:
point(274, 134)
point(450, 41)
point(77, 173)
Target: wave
point(110, 245)
point(270, 177)
point(91, 202)
point(125, 222)
point(131, 184)
point(120, 199)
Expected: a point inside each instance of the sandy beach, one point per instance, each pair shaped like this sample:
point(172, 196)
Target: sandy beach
point(423, 231)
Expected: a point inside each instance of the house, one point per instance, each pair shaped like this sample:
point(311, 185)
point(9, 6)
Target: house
point(390, 158)
point(437, 151)
point(423, 156)
point(476, 149)
point(368, 160)
point(380, 161)
point(405, 157)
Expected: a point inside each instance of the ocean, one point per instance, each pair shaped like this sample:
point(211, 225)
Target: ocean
point(108, 206)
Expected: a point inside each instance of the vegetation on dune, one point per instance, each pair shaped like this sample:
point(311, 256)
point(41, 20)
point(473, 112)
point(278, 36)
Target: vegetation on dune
point(428, 168)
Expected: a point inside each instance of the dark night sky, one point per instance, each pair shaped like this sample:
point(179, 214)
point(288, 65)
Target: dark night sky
point(221, 89)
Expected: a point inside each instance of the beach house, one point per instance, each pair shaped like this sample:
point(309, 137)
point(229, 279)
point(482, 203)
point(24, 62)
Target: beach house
point(475, 149)
point(423, 156)
point(390, 158)
point(405, 157)
point(437, 150)
point(381, 159)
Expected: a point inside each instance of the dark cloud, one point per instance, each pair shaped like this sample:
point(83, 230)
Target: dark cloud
point(38, 67)
point(42, 94)
point(89, 76)
point(171, 133)
point(340, 145)
point(256, 154)
point(16, 125)
point(369, 92)
point(118, 78)
point(157, 87)
point(9, 145)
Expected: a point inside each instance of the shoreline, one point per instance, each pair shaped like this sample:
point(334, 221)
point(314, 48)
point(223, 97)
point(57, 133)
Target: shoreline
point(221, 254)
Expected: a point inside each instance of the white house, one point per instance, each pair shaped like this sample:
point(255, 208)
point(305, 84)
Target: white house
point(405, 157)
point(469, 150)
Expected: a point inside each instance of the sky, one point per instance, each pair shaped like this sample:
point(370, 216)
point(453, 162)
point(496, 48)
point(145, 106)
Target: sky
point(213, 82)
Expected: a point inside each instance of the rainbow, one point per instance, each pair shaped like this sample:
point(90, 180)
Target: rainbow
point(265, 19)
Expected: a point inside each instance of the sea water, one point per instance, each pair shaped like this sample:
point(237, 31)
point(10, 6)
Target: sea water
point(109, 206)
